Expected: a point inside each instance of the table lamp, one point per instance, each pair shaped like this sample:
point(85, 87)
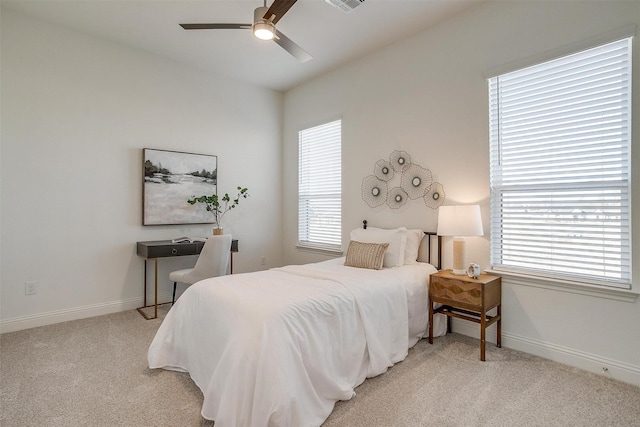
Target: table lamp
point(459, 222)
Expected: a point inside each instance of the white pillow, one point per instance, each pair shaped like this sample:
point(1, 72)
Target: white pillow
point(414, 238)
point(396, 238)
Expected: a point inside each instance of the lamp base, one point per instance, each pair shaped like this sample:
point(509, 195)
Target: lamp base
point(458, 256)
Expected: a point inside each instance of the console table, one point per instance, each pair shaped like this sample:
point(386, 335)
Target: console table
point(152, 250)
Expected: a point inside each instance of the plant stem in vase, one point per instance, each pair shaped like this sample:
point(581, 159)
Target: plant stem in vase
point(219, 206)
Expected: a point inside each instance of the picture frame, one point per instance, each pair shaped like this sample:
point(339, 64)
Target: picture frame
point(169, 179)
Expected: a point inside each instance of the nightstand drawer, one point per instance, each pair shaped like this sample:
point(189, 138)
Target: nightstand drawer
point(465, 292)
point(456, 291)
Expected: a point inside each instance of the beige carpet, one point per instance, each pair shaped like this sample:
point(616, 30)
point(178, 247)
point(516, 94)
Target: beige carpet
point(93, 372)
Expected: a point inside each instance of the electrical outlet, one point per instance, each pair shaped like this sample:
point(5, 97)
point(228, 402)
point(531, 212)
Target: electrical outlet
point(30, 288)
point(263, 260)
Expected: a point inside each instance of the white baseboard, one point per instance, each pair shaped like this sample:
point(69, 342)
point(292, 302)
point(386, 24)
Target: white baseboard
point(597, 364)
point(51, 317)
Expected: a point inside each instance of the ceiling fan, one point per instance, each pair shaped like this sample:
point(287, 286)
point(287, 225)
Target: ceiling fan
point(264, 27)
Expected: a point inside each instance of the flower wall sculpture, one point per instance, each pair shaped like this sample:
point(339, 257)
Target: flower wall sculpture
point(415, 182)
point(374, 191)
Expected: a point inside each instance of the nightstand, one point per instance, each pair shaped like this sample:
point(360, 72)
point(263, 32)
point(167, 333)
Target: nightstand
point(469, 299)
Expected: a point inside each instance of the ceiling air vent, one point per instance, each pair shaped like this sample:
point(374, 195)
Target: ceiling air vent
point(345, 5)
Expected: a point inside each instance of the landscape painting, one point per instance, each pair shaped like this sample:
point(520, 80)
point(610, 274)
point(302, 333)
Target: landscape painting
point(170, 179)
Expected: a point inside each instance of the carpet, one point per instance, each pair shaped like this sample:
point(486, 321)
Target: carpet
point(93, 372)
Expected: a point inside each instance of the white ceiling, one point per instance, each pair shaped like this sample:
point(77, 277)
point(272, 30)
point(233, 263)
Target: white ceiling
point(330, 35)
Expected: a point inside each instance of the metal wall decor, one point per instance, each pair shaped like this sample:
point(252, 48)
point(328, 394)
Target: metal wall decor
point(383, 170)
point(400, 160)
point(434, 196)
point(396, 198)
point(374, 191)
point(415, 182)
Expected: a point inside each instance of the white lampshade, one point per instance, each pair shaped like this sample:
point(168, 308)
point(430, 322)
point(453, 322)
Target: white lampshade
point(460, 221)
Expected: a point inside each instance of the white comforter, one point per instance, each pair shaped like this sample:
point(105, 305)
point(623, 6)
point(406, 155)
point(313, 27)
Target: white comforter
point(280, 347)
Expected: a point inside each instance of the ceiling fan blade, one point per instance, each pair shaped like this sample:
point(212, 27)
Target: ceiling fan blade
point(215, 26)
point(287, 44)
point(278, 8)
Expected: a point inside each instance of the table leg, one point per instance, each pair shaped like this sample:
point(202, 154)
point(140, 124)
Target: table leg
point(430, 322)
point(145, 284)
point(483, 330)
point(499, 339)
point(155, 288)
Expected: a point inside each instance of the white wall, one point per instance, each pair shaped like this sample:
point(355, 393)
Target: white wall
point(76, 113)
point(427, 95)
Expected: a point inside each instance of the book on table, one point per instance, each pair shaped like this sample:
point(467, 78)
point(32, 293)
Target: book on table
point(186, 239)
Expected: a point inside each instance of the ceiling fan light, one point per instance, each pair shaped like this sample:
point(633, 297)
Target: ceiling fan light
point(264, 30)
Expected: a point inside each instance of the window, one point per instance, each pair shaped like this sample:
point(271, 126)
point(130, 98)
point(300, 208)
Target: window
point(320, 187)
point(560, 135)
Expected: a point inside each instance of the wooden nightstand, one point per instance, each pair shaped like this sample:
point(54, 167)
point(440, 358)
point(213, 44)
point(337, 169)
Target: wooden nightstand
point(467, 298)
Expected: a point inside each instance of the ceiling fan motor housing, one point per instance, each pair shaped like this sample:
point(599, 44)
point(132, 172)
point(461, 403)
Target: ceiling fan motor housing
point(262, 28)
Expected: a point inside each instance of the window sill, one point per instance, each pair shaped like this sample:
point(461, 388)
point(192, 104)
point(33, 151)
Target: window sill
point(560, 285)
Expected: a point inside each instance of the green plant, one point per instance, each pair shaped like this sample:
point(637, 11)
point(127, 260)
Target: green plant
point(219, 206)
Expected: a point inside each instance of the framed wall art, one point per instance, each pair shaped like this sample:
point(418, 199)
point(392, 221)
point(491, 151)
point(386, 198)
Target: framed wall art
point(170, 178)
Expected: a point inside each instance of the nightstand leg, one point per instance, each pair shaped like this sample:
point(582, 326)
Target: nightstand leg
point(483, 326)
point(430, 322)
point(499, 339)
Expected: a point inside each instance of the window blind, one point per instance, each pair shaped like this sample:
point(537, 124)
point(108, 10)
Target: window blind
point(320, 187)
point(560, 136)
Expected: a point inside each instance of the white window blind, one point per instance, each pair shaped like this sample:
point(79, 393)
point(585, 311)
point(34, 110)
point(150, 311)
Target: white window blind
point(560, 136)
point(320, 187)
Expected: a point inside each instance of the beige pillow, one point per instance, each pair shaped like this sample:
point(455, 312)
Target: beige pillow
point(365, 255)
point(396, 238)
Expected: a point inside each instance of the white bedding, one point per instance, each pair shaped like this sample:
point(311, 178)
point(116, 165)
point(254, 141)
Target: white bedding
point(280, 347)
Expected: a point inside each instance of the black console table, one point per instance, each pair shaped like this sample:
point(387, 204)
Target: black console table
point(152, 250)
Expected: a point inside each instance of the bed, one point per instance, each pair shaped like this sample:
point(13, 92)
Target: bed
point(280, 347)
